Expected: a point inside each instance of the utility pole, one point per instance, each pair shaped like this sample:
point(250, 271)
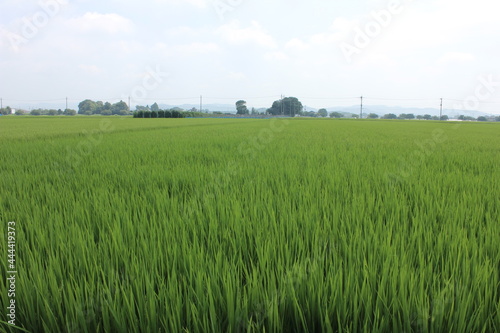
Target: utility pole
point(66, 103)
point(201, 103)
point(361, 111)
point(282, 106)
point(1, 103)
point(441, 110)
point(129, 106)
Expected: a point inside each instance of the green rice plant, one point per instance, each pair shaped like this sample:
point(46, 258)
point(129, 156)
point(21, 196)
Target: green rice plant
point(238, 225)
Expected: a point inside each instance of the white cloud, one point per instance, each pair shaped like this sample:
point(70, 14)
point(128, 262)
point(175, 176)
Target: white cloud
point(195, 48)
point(90, 69)
point(196, 3)
point(236, 76)
point(182, 31)
point(275, 56)
point(296, 44)
point(456, 57)
point(432, 48)
point(253, 34)
point(109, 23)
point(198, 48)
point(340, 30)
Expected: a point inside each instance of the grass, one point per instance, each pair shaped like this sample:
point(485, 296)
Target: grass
point(223, 225)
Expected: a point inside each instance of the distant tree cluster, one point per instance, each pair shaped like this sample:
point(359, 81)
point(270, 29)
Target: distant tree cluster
point(411, 116)
point(38, 112)
point(160, 114)
point(336, 115)
point(6, 111)
point(154, 107)
point(241, 107)
point(89, 107)
point(52, 112)
point(480, 118)
point(309, 114)
point(288, 106)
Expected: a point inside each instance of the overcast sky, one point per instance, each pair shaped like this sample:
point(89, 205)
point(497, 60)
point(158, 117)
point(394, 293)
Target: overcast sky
point(326, 53)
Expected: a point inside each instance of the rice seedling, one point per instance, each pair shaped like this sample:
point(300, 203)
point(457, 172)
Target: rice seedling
point(215, 225)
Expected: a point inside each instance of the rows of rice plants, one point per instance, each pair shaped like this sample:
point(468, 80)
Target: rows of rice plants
point(218, 225)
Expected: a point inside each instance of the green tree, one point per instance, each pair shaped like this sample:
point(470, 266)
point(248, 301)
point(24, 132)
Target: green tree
point(445, 117)
point(372, 116)
point(120, 108)
point(427, 117)
point(337, 115)
point(52, 112)
point(35, 112)
point(99, 107)
point(6, 111)
point(19, 112)
point(481, 118)
point(141, 108)
point(322, 113)
point(87, 105)
point(288, 106)
point(69, 112)
point(390, 116)
point(107, 106)
point(241, 107)
point(497, 118)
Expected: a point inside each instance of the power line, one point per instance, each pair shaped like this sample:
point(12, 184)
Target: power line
point(401, 99)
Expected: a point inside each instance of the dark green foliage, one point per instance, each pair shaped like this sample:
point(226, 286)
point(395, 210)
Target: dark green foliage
point(289, 106)
point(390, 116)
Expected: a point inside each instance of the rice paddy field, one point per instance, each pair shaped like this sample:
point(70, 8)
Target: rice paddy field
point(250, 225)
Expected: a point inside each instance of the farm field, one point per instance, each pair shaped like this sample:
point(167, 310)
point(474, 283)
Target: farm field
point(251, 225)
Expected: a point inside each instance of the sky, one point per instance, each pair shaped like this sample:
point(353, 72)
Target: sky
point(326, 53)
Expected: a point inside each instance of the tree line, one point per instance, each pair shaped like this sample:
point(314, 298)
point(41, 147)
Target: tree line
point(426, 117)
point(160, 114)
point(38, 112)
point(89, 107)
point(287, 106)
